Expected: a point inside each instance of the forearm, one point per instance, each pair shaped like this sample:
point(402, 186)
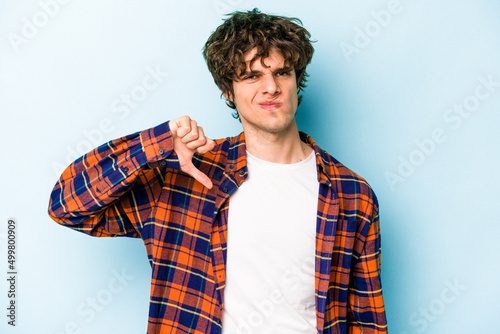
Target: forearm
point(93, 189)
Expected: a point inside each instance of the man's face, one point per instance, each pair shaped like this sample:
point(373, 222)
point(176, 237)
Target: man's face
point(266, 97)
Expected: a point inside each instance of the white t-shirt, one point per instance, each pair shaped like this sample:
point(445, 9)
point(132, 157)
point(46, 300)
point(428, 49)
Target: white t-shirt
point(271, 250)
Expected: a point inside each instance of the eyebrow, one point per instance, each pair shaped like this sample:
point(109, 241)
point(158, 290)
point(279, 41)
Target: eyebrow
point(281, 69)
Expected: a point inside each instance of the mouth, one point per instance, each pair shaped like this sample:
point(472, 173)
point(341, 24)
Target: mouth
point(270, 105)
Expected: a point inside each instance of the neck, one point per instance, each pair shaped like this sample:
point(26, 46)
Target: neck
point(283, 147)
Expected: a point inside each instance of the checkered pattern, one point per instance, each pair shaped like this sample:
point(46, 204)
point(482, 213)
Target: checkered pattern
point(133, 187)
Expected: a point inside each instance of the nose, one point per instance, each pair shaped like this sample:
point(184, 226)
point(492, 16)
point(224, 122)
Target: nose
point(270, 85)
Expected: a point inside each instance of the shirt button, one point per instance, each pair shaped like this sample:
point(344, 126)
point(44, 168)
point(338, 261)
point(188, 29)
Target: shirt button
point(224, 190)
point(217, 321)
point(231, 166)
point(163, 162)
point(160, 151)
point(242, 172)
point(125, 169)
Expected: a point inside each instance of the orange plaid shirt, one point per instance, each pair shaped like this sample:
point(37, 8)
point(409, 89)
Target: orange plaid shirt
point(133, 186)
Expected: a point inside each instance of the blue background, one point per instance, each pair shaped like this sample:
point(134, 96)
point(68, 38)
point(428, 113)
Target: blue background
point(386, 83)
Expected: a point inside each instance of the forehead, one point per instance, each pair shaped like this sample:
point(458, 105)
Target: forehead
point(275, 59)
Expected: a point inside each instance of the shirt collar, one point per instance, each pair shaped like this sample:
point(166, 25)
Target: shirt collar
point(237, 159)
point(322, 159)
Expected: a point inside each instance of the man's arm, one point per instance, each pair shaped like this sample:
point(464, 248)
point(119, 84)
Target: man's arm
point(366, 311)
point(111, 190)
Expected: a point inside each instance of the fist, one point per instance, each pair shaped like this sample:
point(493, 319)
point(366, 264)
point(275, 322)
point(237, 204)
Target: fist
point(189, 139)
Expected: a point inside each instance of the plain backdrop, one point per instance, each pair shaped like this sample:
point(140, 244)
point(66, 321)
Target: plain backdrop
point(405, 93)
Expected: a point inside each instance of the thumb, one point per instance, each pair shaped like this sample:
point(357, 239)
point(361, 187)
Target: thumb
point(198, 175)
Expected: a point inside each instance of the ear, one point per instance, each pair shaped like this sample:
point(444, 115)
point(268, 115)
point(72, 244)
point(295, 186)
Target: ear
point(227, 95)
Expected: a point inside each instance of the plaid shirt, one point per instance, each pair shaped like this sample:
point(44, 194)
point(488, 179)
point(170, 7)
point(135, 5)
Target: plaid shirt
point(133, 186)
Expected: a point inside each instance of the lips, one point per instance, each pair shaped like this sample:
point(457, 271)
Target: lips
point(270, 105)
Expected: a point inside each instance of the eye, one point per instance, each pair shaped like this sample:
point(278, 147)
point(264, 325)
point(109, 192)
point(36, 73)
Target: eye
point(284, 73)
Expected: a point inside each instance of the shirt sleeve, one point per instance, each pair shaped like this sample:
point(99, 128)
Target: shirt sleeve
point(366, 310)
point(111, 190)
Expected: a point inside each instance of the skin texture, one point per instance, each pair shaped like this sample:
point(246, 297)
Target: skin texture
point(266, 99)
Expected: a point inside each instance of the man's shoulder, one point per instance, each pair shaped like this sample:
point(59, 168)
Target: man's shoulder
point(224, 143)
point(356, 196)
point(228, 150)
point(344, 180)
point(351, 181)
point(232, 147)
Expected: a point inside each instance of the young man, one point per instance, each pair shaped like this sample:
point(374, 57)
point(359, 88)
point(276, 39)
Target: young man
point(259, 233)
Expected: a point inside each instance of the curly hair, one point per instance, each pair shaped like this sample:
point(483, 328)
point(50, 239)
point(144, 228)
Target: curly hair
point(242, 32)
